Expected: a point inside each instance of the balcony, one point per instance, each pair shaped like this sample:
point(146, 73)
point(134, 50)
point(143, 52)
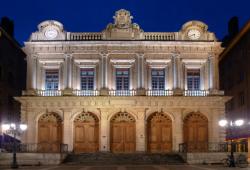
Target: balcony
point(139, 92)
point(195, 92)
point(86, 92)
point(159, 92)
point(122, 92)
point(49, 92)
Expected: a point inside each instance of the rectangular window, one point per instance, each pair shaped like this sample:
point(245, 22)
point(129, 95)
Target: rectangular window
point(51, 79)
point(122, 79)
point(193, 79)
point(87, 78)
point(158, 79)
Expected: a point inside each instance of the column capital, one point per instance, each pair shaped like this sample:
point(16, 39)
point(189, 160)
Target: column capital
point(140, 54)
point(104, 53)
point(68, 55)
point(33, 55)
point(175, 54)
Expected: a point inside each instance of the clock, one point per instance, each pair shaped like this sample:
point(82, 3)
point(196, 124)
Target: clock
point(51, 33)
point(194, 34)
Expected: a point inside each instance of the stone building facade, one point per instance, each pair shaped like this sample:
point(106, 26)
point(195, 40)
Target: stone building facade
point(236, 80)
point(122, 89)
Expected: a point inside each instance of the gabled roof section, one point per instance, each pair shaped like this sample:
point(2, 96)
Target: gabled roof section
point(237, 38)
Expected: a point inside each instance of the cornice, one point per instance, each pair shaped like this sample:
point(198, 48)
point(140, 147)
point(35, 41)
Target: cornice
point(134, 102)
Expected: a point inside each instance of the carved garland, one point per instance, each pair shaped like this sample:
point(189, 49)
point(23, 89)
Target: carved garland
point(86, 117)
point(50, 117)
point(195, 116)
point(159, 117)
point(122, 117)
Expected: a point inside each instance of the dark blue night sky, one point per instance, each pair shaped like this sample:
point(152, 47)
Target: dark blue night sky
point(151, 15)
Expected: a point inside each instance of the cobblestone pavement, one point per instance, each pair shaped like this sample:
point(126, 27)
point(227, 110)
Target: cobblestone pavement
point(127, 167)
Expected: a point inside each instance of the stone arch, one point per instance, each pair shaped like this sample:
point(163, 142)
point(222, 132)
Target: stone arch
point(159, 130)
point(169, 115)
point(86, 117)
point(86, 132)
point(122, 117)
point(195, 132)
point(50, 117)
point(77, 112)
point(49, 132)
point(114, 113)
point(122, 130)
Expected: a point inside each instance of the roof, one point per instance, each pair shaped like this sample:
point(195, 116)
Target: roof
point(237, 38)
point(11, 39)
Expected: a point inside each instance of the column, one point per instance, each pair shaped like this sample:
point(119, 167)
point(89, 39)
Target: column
point(31, 72)
point(104, 132)
point(211, 71)
point(104, 68)
point(176, 66)
point(174, 71)
point(69, 70)
point(141, 131)
point(140, 71)
point(202, 82)
point(68, 129)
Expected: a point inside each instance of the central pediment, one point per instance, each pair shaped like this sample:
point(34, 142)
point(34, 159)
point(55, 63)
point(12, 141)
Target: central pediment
point(123, 28)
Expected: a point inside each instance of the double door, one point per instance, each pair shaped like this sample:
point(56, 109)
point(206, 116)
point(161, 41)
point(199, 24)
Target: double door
point(86, 137)
point(123, 137)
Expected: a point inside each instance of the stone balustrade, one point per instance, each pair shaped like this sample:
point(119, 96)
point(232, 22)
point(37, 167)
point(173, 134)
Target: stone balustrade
point(133, 92)
point(49, 93)
point(86, 92)
point(84, 36)
point(159, 92)
point(159, 36)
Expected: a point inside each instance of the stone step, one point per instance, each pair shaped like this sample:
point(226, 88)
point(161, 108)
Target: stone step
point(112, 158)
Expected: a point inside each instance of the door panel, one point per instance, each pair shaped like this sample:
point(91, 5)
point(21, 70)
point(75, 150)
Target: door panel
point(196, 133)
point(86, 137)
point(122, 137)
point(49, 137)
point(159, 133)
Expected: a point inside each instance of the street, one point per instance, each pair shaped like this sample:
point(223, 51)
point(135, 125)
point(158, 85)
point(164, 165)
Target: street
point(127, 167)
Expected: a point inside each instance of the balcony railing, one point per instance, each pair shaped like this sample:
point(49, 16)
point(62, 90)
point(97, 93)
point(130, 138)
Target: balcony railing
point(86, 92)
point(49, 92)
point(196, 93)
point(122, 92)
point(159, 92)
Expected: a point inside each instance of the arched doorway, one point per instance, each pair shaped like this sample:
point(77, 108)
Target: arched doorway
point(86, 133)
point(159, 133)
point(49, 133)
point(122, 133)
point(195, 129)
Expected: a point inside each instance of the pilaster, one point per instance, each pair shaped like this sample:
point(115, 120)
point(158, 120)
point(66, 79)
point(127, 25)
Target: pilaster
point(141, 131)
point(68, 129)
point(177, 129)
point(104, 136)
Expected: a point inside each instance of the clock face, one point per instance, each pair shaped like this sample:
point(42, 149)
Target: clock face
point(51, 33)
point(194, 34)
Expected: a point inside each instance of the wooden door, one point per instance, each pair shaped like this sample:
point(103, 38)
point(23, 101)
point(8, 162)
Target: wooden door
point(159, 133)
point(49, 133)
point(86, 137)
point(196, 133)
point(123, 133)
